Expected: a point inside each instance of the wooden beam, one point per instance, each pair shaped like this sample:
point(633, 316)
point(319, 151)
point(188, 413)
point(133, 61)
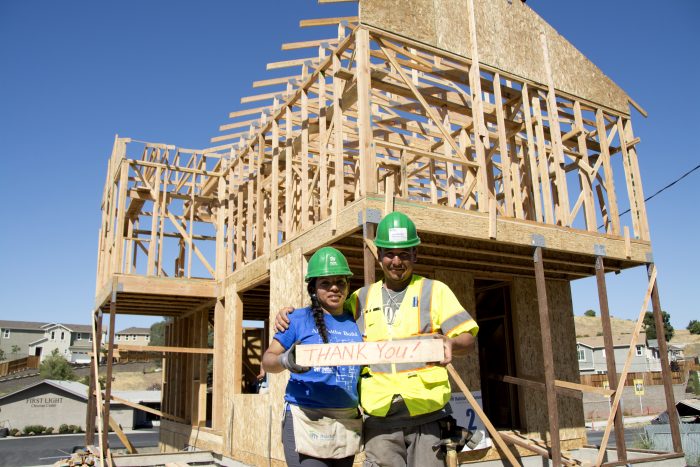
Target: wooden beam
point(480, 413)
point(117, 428)
point(162, 349)
point(547, 356)
point(306, 23)
point(153, 411)
point(623, 376)
point(609, 351)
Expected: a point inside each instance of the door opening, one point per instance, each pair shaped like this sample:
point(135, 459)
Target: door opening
point(496, 352)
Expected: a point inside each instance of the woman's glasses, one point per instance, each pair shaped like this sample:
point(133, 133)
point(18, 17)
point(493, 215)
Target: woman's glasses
point(328, 283)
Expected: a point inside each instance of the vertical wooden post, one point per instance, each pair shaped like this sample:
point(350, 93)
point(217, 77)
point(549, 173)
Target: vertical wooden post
point(220, 260)
point(584, 180)
point(609, 352)
point(274, 192)
point(481, 137)
point(96, 348)
point(547, 356)
point(368, 170)
point(219, 365)
point(92, 398)
point(368, 231)
point(108, 377)
point(339, 188)
point(613, 211)
point(558, 160)
point(665, 367)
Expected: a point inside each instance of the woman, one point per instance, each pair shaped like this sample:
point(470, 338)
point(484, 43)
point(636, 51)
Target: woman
point(322, 426)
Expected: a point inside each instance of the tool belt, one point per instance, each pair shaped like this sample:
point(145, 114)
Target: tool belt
point(327, 433)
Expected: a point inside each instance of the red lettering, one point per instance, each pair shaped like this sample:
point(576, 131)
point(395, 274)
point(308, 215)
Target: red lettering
point(390, 352)
point(415, 347)
point(380, 347)
point(323, 353)
point(401, 352)
point(360, 351)
point(335, 350)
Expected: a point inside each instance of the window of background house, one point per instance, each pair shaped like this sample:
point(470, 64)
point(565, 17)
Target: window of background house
point(6, 333)
point(640, 351)
point(53, 335)
point(581, 355)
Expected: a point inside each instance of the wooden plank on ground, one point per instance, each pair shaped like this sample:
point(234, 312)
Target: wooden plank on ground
point(365, 353)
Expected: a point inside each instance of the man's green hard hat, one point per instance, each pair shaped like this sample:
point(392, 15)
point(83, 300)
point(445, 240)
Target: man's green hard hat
point(396, 230)
point(327, 262)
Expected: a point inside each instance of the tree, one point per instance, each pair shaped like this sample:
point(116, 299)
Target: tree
point(650, 325)
point(158, 333)
point(15, 349)
point(2, 355)
point(589, 313)
point(694, 326)
point(55, 366)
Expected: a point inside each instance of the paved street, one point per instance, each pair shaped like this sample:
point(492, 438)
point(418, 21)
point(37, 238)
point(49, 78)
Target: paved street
point(631, 437)
point(45, 450)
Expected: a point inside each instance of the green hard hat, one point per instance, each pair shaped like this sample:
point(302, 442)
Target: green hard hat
point(327, 262)
point(396, 230)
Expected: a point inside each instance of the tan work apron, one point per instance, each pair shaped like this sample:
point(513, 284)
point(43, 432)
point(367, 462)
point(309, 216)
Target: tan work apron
point(327, 433)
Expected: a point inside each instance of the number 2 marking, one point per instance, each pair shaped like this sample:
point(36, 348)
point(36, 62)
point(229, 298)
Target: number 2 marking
point(471, 415)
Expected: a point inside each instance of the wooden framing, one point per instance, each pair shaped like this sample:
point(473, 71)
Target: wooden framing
point(490, 160)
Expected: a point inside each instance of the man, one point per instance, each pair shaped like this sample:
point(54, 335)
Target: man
point(403, 403)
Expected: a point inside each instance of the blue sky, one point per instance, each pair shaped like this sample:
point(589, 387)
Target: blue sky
point(72, 74)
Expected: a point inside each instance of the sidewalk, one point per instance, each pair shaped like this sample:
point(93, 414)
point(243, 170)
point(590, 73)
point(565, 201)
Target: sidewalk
point(601, 424)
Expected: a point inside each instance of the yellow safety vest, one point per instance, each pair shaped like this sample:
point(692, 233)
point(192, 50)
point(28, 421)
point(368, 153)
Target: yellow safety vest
point(427, 307)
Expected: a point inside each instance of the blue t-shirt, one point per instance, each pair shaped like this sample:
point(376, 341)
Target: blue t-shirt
point(322, 386)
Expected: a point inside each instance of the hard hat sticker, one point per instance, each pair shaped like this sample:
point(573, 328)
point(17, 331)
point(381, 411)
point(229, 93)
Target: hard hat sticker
point(398, 234)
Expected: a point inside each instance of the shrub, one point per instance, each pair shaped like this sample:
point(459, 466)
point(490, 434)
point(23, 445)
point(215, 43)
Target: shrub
point(49, 430)
point(63, 429)
point(14, 432)
point(74, 429)
point(33, 429)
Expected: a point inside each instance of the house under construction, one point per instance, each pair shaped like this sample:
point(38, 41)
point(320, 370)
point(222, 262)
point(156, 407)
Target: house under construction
point(510, 150)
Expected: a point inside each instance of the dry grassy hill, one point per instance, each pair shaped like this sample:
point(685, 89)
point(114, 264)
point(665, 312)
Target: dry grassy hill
point(591, 326)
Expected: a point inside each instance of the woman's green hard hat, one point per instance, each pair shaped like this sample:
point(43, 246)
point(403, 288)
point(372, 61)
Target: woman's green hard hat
point(327, 262)
point(396, 230)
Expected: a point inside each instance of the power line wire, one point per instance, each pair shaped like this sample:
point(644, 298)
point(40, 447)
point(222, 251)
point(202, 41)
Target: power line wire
point(661, 190)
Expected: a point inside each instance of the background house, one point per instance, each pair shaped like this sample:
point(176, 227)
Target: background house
point(22, 338)
point(133, 336)
point(591, 355)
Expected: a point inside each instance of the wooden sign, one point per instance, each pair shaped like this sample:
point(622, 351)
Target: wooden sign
point(366, 353)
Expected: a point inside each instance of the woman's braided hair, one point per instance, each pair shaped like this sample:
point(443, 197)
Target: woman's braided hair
point(317, 311)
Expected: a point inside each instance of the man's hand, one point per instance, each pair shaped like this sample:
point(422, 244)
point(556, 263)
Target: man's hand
point(288, 360)
point(282, 320)
point(458, 345)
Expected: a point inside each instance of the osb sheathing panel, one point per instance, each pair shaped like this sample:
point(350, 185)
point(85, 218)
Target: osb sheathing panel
point(287, 288)
point(529, 361)
point(508, 38)
point(250, 425)
point(462, 284)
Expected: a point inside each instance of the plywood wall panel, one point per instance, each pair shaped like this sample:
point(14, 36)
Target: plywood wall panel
point(533, 405)
point(462, 284)
point(508, 38)
point(287, 288)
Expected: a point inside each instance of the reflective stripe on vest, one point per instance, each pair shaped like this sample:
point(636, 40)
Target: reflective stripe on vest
point(454, 321)
point(362, 295)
